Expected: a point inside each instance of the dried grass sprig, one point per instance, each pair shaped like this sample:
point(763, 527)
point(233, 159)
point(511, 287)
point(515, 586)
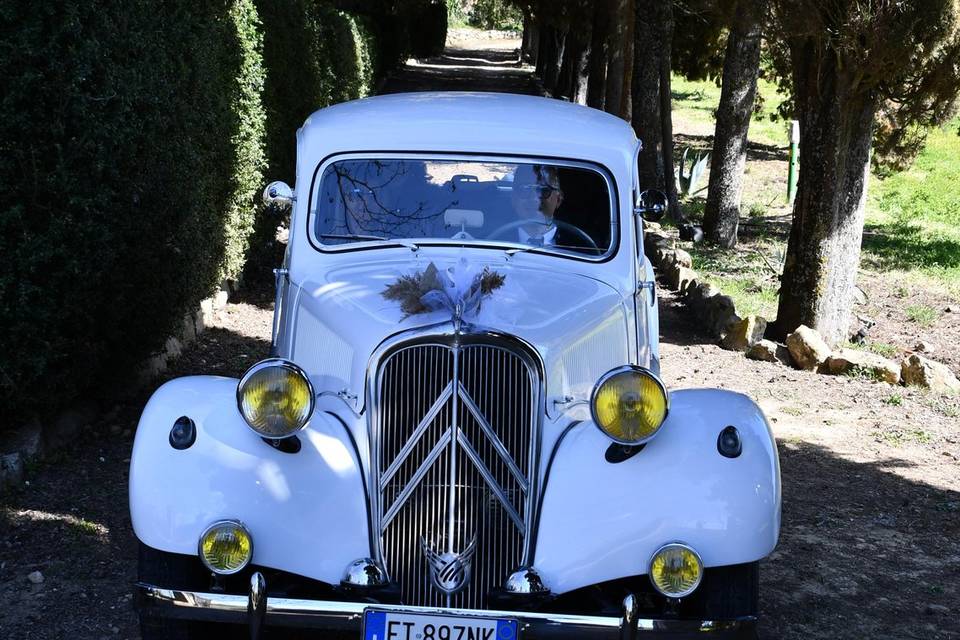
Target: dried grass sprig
point(409, 290)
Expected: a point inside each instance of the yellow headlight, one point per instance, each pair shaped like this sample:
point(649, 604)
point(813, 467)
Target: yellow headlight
point(275, 398)
point(629, 404)
point(226, 547)
point(676, 570)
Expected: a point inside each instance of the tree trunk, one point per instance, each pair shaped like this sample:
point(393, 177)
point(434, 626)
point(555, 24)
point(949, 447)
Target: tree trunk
point(666, 109)
point(576, 74)
point(564, 88)
point(544, 46)
point(616, 99)
point(531, 43)
point(741, 66)
point(599, 50)
point(823, 253)
point(555, 60)
point(646, 95)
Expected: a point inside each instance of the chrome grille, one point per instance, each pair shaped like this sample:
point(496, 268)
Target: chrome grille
point(454, 435)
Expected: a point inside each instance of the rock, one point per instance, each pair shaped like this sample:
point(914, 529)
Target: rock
point(220, 299)
point(199, 321)
point(768, 351)
point(11, 469)
point(807, 348)
point(188, 330)
point(25, 439)
point(744, 334)
point(687, 279)
point(691, 232)
point(932, 609)
point(924, 347)
point(854, 360)
point(680, 277)
point(682, 258)
point(35, 577)
point(173, 348)
point(721, 313)
point(63, 431)
point(651, 226)
point(933, 375)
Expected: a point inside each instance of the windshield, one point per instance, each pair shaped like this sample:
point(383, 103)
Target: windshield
point(553, 207)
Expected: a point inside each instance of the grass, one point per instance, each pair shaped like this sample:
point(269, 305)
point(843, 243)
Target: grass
point(694, 104)
point(880, 348)
point(913, 218)
point(898, 437)
point(895, 400)
point(922, 314)
point(912, 229)
point(744, 276)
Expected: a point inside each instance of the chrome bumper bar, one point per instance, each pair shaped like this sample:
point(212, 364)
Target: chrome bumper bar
point(257, 610)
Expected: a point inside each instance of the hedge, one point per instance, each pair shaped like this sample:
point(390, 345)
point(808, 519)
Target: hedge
point(131, 153)
point(316, 55)
point(135, 139)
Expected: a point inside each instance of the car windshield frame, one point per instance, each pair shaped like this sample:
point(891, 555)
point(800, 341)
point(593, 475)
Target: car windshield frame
point(478, 243)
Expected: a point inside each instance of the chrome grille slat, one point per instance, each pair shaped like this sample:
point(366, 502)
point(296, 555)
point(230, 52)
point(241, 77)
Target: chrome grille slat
point(455, 434)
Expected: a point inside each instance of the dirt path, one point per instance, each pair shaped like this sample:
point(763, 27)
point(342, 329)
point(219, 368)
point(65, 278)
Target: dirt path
point(870, 544)
point(473, 61)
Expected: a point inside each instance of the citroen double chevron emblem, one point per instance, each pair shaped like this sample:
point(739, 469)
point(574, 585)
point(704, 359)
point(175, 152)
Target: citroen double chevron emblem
point(449, 572)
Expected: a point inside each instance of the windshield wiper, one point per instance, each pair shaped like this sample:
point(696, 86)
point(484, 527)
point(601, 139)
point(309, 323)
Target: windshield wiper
point(350, 236)
point(354, 236)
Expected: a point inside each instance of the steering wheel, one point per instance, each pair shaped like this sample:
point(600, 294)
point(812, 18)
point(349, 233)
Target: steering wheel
point(580, 233)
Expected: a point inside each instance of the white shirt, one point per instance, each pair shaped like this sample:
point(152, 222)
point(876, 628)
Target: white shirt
point(548, 237)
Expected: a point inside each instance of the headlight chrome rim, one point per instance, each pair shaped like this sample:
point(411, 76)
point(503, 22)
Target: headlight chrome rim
point(629, 368)
point(289, 366)
point(236, 524)
point(684, 547)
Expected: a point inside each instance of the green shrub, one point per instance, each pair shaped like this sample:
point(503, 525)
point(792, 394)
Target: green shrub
point(315, 56)
point(496, 14)
point(130, 154)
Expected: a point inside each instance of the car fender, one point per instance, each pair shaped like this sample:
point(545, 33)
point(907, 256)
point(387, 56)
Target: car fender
point(305, 511)
point(601, 520)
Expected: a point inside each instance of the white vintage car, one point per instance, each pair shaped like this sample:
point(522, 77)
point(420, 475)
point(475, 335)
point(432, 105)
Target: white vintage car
point(462, 433)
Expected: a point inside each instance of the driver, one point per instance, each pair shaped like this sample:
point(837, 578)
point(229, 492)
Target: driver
point(536, 196)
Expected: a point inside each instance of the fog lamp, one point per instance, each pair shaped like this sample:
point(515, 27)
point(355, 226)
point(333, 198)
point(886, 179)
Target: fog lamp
point(275, 397)
point(629, 404)
point(676, 570)
point(226, 547)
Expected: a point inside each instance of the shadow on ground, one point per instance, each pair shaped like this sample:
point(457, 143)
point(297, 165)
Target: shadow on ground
point(466, 70)
point(863, 553)
point(901, 245)
point(71, 520)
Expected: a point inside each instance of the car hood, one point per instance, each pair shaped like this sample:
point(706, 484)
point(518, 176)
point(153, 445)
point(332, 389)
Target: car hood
point(578, 325)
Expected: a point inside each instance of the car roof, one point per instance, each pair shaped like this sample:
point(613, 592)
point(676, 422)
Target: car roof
point(466, 122)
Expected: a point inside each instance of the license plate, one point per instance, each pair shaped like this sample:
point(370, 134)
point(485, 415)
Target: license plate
point(383, 625)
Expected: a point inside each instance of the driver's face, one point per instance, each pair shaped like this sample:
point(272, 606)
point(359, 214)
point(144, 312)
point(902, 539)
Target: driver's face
point(534, 199)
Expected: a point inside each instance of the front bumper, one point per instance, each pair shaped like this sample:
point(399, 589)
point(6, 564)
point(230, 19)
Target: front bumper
point(257, 611)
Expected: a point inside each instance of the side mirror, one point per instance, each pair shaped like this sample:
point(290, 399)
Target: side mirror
point(651, 205)
point(278, 194)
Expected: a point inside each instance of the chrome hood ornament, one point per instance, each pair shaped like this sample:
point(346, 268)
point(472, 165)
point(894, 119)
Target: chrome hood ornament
point(449, 572)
